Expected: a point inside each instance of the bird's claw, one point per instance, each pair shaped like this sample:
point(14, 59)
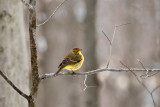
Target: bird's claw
point(73, 73)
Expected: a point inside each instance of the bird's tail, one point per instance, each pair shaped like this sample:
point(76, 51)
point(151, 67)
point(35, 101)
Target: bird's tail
point(56, 73)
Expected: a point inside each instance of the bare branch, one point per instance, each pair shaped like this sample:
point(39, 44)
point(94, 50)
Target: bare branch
point(155, 89)
point(110, 49)
point(128, 68)
point(33, 50)
point(144, 86)
point(52, 14)
point(111, 42)
point(122, 24)
point(114, 33)
point(141, 63)
point(13, 86)
point(146, 74)
point(85, 85)
point(84, 82)
point(49, 75)
point(153, 74)
point(107, 37)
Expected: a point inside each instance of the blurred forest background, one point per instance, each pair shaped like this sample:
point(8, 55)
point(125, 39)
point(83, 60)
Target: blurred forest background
point(79, 23)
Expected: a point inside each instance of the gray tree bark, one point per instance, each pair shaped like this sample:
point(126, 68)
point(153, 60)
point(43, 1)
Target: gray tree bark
point(13, 54)
point(90, 46)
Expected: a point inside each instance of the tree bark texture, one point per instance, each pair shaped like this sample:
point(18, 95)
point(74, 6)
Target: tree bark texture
point(13, 54)
point(90, 47)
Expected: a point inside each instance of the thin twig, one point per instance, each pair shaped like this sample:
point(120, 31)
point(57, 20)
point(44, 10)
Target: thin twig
point(111, 41)
point(144, 86)
point(49, 75)
point(153, 74)
point(110, 49)
point(147, 73)
point(13, 86)
point(52, 14)
point(155, 89)
point(128, 68)
point(84, 82)
point(141, 63)
point(107, 37)
point(122, 24)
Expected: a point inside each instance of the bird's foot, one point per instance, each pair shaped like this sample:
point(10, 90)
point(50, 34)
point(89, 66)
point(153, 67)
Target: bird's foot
point(73, 73)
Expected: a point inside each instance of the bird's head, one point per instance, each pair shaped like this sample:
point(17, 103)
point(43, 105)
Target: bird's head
point(77, 50)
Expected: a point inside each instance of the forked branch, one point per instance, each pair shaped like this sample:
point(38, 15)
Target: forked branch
point(111, 41)
point(144, 86)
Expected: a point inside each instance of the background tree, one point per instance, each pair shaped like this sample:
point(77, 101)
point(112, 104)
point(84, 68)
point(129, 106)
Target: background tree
point(90, 53)
point(13, 53)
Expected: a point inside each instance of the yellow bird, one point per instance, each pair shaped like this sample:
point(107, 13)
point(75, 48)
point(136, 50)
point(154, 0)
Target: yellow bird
point(73, 61)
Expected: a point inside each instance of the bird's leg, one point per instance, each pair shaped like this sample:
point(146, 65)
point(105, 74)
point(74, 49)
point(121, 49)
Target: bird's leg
point(72, 71)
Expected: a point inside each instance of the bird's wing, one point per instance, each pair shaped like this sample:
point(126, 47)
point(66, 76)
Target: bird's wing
point(70, 60)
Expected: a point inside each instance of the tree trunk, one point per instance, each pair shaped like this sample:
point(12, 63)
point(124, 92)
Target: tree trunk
point(13, 54)
point(90, 54)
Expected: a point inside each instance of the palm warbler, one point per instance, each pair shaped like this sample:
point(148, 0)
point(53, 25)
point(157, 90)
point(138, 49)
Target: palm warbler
point(73, 61)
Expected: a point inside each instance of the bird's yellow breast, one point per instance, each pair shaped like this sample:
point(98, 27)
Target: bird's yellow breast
point(75, 66)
